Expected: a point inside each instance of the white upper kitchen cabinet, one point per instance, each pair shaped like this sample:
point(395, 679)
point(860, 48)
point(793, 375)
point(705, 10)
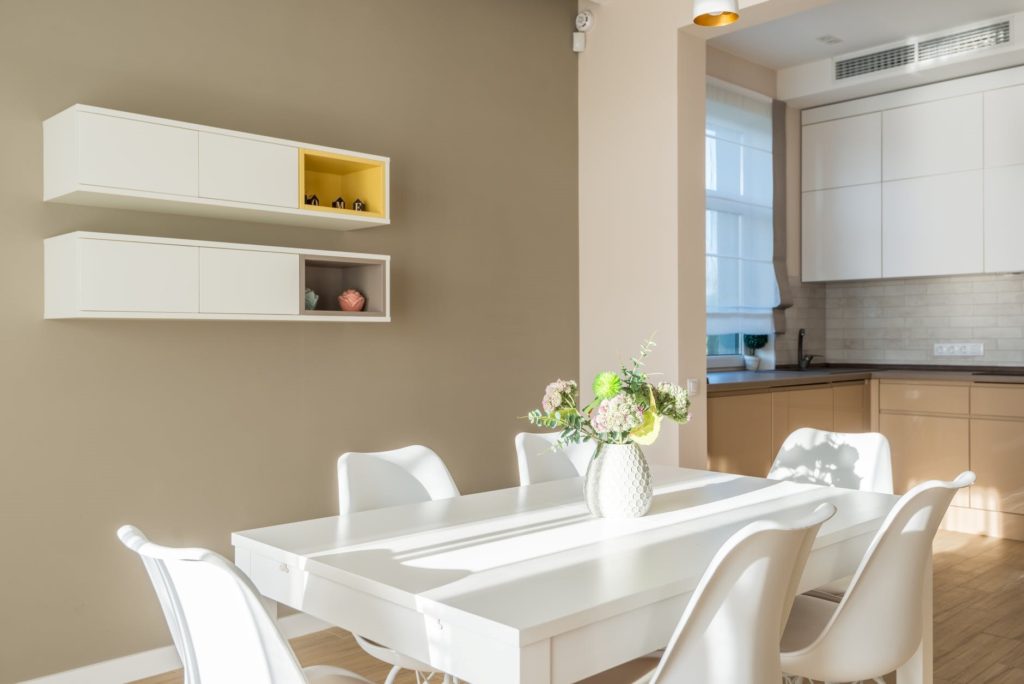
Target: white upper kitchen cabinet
point(842, 152)
point(1004, 127)
point(842, 233)
point(113, 152)
point(932, 225)
point(249, 171)
point(1004, 230)
point(248, 282)
point(932, 138)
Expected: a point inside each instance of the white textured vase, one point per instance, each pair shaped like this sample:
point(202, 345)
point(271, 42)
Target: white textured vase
point(618, 483)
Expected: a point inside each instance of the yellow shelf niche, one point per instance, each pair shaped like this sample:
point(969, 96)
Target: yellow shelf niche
point(328, 176)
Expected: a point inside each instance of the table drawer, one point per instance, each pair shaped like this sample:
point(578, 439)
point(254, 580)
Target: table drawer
point(276, 580)
point(1003, 400)
point(921, 398)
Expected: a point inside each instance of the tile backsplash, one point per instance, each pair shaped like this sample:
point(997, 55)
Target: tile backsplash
point(900, 321)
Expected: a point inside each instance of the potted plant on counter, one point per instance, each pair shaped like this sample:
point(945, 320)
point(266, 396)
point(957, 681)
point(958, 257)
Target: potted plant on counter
point(626, 412)
point(752, 343)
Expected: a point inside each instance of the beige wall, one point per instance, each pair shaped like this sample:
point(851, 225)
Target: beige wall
point(632, 132)
point(738, 71)
point(194, 429)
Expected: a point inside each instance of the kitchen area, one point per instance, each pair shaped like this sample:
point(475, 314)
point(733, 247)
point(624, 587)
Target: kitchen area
point(899, 250)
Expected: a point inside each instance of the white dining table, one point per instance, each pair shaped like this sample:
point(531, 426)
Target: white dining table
point(524, 586)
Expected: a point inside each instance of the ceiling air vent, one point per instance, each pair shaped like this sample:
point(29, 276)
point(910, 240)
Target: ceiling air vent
point(875, 61)
point(964, 41)
point(947, 45)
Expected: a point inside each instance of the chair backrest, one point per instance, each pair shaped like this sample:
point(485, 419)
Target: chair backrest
point(223, 632)
point(850, 460)
point(379, 479)
point(877, 625)
point(731, 628)
point(540, 461)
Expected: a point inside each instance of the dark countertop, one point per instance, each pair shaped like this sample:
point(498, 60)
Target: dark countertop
point(723, 381)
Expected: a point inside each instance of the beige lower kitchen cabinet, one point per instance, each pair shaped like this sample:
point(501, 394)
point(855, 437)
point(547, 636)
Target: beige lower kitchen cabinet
point(797, 408)
point(740, 433)
point(746, 429)
point(851, 406)
point(927, 448)
point(997, 447)
point(997, 458)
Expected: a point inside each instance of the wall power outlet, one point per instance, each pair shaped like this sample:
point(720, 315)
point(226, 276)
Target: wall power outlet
point(959, 349)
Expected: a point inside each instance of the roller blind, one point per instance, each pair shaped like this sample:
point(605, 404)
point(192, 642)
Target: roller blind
point(741, 287)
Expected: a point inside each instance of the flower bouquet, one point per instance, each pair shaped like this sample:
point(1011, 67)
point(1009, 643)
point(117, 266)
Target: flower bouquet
point(626, 412)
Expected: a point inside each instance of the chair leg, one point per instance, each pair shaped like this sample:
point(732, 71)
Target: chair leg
point(394, 675)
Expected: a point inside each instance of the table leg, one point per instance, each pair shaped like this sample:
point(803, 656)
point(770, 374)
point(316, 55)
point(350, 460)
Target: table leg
point(918, 670)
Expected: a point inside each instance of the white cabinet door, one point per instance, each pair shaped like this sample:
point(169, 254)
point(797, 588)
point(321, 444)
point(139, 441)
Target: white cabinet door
point(1004, 230)
point(1004, 127)
point(138, 276)
point(250, 171)
point(137, 155)
point(932, 138)
point(932, 226)
point(842, 233)
point(236, 281)
point(842, 152)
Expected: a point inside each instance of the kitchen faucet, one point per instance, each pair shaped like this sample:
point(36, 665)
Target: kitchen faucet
point(804, 359)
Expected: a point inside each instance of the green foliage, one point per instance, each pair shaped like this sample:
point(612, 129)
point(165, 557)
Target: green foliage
point(755, 342)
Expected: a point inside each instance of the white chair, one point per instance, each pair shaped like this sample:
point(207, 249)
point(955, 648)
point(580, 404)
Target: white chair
point(730, 630)
point(848, 460)
point(219, 626)
point(371, 480)
point(877, 626)
point(540, 461)
point(859, 461)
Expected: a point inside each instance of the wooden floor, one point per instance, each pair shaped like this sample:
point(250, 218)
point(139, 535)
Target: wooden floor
point(979, 621)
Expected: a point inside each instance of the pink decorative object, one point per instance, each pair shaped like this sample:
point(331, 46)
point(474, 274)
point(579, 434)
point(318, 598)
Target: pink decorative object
point(351, 300)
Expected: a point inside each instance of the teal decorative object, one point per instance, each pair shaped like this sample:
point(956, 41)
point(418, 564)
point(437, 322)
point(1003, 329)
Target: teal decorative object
point(311, 299)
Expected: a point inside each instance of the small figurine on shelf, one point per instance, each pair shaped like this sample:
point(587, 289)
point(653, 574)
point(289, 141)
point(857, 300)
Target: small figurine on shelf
point(351, 300)
point(311, 299)
point(338, 203)
point(359, 205)
point(313, 200)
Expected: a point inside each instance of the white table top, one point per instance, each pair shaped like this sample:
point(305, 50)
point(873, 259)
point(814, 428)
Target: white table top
point(523, 564)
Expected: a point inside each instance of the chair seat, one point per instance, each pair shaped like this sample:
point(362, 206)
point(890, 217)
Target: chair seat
point(326, 674)
point(806, 623)
point(833, 591)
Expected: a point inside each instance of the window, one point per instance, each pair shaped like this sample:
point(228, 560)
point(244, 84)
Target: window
point(741, 288)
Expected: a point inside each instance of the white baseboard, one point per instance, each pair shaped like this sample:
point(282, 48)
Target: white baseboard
point(149, 663)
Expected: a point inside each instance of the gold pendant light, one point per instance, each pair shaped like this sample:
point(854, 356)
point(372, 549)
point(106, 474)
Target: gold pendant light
point(715, 12)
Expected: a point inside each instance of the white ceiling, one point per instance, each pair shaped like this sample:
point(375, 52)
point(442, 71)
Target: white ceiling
point(860, 23)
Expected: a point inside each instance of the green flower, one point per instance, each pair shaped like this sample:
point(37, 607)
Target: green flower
point(606, 385)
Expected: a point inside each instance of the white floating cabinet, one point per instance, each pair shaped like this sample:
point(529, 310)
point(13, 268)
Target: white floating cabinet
point(102, 275)
point(247, 171)
point(103, 157)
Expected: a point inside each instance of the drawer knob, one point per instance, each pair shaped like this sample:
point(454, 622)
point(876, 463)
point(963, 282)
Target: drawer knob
point(284, 568)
